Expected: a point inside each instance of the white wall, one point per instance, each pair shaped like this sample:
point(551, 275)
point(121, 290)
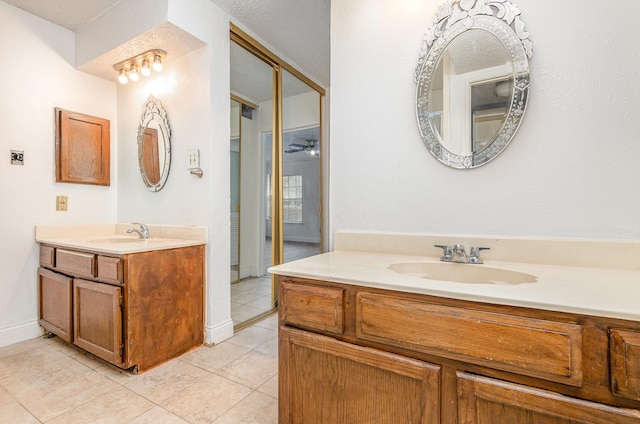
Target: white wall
point(37, 75)
point(184, 95)
point(194, 90)
point(572, 169)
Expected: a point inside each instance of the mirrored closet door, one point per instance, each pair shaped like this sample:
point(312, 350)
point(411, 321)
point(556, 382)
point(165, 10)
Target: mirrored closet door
point(250, 161)
point(275, 165)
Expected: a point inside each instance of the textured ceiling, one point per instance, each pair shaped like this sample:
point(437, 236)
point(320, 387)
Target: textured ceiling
point(297, 29)
point(71, 14)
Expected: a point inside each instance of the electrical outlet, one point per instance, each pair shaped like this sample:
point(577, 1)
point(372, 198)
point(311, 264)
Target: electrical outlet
point(193, 159)
point(61, 203)
point(17, 157)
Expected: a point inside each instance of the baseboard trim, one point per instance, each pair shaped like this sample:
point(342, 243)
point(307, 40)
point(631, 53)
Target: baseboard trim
point(218, 333)
point(19, 333)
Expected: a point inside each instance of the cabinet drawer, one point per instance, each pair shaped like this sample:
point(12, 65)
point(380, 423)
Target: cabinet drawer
point(624, 349)
point(110, 269)
point(321, 308)
point(78, 264)
point(538, 348)
point(47, 256)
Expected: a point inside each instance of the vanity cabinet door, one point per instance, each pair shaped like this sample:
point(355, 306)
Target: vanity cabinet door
point(323, 380)
point(485, 400)
point(55, 292)
point(624, 353)
point(98, 319)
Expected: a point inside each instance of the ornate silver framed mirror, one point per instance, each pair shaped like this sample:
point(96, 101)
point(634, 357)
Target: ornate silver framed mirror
point(154, 144)
point(472, 81)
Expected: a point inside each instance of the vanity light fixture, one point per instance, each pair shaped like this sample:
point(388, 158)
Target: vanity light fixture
point(122, 77)
point(144, 69)
point(130, 69)
point(133, 75)
point(157, 63)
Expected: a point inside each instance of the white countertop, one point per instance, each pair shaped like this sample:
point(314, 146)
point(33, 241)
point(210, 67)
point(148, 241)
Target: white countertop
point(113, 238)
point(599, 291)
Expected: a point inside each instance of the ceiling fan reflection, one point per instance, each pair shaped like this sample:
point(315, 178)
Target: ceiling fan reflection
point(309, 146)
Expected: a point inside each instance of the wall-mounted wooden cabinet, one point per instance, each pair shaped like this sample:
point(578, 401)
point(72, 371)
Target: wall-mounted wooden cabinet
point(82, 148)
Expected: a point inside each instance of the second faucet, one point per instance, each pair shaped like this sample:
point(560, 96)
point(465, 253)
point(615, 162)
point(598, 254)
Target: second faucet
point(457, 253)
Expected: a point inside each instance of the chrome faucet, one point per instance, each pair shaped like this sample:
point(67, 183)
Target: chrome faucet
point(143, 231)
point(457, 253)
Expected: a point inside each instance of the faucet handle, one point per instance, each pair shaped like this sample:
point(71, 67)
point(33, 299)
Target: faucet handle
point(474, 254)
point(447, 253)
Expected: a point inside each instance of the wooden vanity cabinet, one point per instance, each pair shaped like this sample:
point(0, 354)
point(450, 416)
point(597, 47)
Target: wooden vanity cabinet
point(349, 353)
point(135, 310)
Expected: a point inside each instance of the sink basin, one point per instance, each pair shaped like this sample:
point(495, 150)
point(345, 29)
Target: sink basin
point(462, 273)
point(122, 240)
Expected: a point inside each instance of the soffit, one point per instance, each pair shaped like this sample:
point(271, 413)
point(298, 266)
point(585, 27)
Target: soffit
point(299, 30)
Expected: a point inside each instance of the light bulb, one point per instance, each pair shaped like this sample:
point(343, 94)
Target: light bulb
point(133, 75)
point(144, 69)
point(122, 77)
point(157, 64)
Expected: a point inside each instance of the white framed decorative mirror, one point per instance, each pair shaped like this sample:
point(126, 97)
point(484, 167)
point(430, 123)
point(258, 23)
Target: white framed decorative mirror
point(472, 81)
point(154, 144)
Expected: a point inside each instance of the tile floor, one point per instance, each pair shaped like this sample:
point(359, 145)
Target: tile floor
point(249, 298)
point(234, 382)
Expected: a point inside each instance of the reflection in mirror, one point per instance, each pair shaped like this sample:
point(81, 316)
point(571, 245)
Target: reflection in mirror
point(464, 82)
point(154, 145)
point(250, 156)
point(300, 168)
point(234, 206)
point(473, 80)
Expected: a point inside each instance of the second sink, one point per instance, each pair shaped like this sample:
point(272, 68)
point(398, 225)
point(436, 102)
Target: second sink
point(462, 273)
point(123, 239)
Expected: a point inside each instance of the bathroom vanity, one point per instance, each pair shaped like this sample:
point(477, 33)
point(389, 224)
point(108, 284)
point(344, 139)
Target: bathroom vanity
point(361, 342)
point(132, 302)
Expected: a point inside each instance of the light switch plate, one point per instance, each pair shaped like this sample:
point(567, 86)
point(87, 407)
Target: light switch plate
point(61, 203)
point(193, 159)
